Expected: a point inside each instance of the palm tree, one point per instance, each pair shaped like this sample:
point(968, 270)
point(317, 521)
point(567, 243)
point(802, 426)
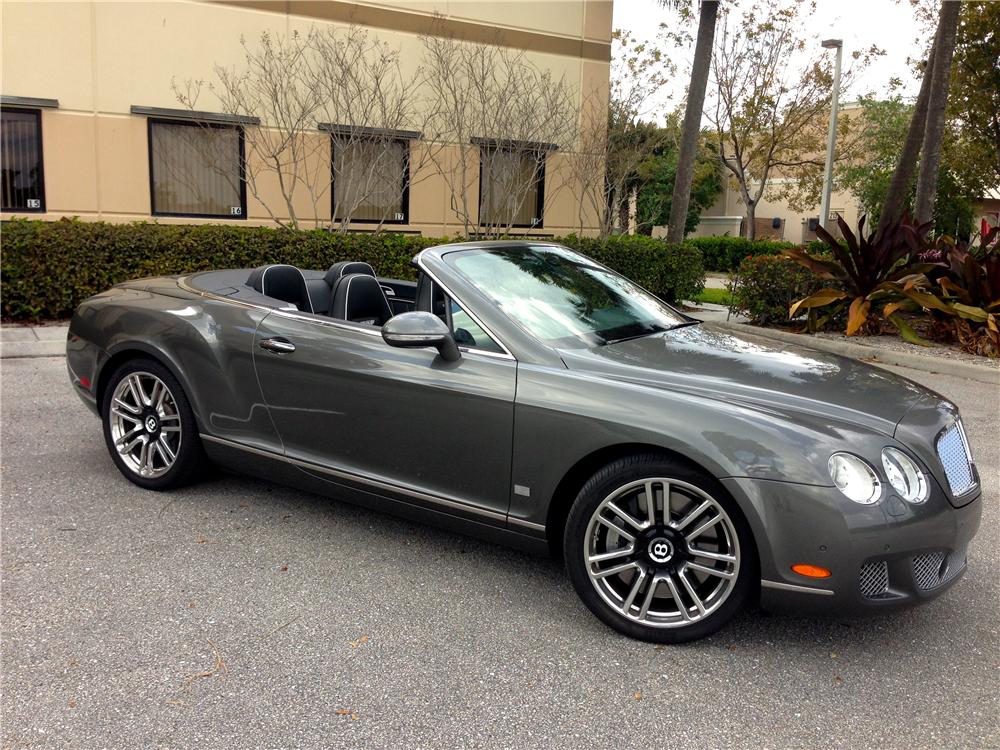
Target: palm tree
point(923, 134)
point(930, 161)
point(692, 115)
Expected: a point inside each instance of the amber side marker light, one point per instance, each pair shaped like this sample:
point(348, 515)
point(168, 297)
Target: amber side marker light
point(811, 571)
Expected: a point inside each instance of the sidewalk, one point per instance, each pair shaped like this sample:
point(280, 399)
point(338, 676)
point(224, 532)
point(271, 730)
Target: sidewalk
point(33, 341)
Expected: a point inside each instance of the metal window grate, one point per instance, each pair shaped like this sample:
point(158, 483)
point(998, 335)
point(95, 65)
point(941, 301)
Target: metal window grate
point(874, 579)
point(953, 450)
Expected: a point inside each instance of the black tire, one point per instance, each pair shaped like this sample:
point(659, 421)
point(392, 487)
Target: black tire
point(189, 461)
point(582, 537)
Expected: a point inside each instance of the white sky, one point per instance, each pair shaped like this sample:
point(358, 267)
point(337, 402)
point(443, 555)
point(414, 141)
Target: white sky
point(889, 24)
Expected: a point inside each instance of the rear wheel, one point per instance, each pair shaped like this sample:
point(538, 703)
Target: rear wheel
point(149, 427)
point(658, 550)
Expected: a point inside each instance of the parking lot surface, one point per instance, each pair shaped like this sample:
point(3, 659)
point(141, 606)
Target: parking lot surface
point(240, 614)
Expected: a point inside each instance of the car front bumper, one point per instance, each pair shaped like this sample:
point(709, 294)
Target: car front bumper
point(882, 557)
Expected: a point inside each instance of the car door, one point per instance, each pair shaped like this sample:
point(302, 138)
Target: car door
point(343, 399)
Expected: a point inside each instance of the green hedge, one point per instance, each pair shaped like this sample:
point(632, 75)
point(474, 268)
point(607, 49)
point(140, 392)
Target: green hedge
point(726, 253)
point(766, 286)
point(48, 268)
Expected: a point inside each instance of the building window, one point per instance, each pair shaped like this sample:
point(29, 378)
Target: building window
point(196, 169)
point(371, 180)
point(21, 160)
point(511, 186)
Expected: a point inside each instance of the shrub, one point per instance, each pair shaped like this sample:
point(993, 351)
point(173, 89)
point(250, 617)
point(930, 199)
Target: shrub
point(726, 253)
point(48, 268)
point(766, 286)
point(962, 293)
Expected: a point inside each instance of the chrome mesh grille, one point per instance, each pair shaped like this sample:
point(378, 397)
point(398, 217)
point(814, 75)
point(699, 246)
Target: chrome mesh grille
point(936, 568)
point(927, 570)
point(953, 450)
point(874, 579)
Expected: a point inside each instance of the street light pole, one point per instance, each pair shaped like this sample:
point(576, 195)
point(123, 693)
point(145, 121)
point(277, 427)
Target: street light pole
point(831, 139)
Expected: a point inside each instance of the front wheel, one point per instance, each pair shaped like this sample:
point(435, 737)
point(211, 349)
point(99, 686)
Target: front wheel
point(658, 550)
point(149, 427)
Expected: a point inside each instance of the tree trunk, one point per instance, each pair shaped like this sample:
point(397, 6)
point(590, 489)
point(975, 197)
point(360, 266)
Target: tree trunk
point(895, 197)
point(930, 160)
point(751, 217)
point(692, 120)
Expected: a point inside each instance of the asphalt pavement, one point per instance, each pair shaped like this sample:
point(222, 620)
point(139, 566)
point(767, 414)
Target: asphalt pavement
point(239, 614)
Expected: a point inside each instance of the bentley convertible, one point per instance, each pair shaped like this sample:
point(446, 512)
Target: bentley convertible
point(522, 392)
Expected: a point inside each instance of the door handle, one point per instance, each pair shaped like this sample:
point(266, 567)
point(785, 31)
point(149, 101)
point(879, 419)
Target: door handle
point(278, 346)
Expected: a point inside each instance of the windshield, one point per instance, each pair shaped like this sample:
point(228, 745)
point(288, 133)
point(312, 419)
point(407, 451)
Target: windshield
point(561, 297)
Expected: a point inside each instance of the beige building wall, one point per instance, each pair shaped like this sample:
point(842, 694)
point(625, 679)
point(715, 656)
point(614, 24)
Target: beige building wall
point(728, 213)
point(99, 59)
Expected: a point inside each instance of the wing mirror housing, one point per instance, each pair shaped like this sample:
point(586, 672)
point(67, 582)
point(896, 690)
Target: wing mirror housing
point(416, 330)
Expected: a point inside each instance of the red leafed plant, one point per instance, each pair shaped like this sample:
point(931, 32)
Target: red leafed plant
point(966, 293)
point(865, 271)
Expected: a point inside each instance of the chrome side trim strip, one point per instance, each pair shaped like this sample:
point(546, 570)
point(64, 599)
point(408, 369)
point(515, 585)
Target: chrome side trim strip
point(360, 479)
point(792, 587)
point(526, 524)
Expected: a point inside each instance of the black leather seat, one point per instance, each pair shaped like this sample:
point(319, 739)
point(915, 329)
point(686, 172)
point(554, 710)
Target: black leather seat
point(358, 297)
point(344, 267)
point(282, 282)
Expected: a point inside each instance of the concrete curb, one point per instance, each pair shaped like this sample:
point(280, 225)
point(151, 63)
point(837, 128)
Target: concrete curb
point(33, 341)
point(984, 373)
point(22, 349)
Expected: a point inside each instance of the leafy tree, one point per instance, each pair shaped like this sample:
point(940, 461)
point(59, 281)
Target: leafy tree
point(773, 99)
point(974, 96)
point(617, 139)
point(881, 131)
point(657, 175)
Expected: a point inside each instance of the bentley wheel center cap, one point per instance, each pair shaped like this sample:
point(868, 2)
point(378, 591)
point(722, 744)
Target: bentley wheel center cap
point(151, 424)
point(660, 550)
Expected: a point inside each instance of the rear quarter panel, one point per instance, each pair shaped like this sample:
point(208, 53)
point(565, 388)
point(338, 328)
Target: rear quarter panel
point(205, 342)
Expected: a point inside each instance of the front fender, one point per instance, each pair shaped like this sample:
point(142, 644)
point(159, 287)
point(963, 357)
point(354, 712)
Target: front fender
point(562, 416)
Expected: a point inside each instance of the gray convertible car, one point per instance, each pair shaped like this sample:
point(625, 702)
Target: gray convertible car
point(524, 393)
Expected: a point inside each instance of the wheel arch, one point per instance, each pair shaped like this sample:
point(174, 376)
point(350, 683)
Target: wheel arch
point(573, 480)
point(127, 351)
point(578, 474)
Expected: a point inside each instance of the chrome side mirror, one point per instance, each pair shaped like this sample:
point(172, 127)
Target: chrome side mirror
point(416, 330)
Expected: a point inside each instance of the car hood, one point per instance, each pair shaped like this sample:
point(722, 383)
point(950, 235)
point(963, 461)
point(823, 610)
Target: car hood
point(715, 362)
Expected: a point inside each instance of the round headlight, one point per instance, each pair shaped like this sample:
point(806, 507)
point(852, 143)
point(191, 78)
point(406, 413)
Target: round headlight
point(904, 475)
point(855, 478)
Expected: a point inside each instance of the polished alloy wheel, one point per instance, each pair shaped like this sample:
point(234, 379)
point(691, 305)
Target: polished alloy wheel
point(662, 552)
point(145, 424)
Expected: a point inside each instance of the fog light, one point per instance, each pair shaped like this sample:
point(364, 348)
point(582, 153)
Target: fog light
point(811, 571)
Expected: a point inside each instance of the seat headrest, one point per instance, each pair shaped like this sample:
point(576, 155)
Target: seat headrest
point(358, 297)
point(282, 282)
point(344, 267)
